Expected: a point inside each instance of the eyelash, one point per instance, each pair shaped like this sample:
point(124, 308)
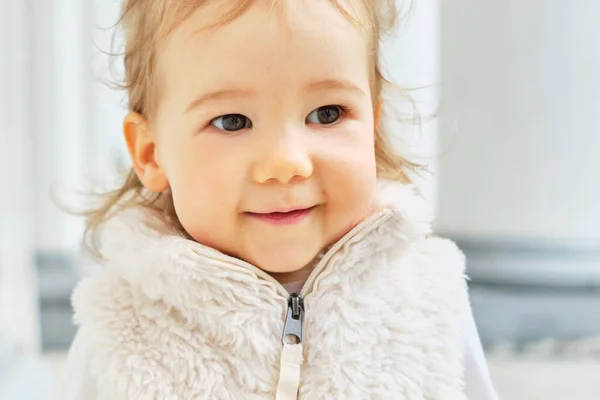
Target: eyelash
point(345, 110)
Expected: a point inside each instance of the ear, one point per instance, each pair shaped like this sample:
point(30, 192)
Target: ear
point(377, 111)
point(142, 149)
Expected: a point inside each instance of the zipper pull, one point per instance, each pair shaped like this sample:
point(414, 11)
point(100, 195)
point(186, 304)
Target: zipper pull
point(291, 354)
point(292, 330)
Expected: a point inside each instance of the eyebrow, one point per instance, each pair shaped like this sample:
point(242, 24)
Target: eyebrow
point(333, 84)
point(216, 96)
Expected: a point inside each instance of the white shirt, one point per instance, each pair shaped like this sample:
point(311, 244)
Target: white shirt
point(478, 384)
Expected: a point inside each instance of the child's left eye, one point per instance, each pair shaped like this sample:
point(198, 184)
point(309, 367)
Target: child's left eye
point(326, 115)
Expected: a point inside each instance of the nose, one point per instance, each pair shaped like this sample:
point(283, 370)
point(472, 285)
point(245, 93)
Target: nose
point(286, 160)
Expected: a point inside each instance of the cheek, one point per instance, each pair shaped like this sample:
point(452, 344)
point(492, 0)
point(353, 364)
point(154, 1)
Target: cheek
point(197, 166)
point(203, 187)
point(349, 181)
point(354, 159)
point(354, 185)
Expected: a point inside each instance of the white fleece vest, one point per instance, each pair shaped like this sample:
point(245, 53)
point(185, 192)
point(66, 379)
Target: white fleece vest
point(170, 319)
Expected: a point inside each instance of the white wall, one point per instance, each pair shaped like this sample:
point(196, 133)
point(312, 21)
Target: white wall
point(521, 120)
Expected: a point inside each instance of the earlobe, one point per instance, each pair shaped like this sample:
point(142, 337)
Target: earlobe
point(142, 150)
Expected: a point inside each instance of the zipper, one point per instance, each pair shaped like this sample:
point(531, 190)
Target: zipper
point(292, 329)
point(291, 354)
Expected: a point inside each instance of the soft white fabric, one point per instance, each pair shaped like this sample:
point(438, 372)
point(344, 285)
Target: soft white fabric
point(171, 319)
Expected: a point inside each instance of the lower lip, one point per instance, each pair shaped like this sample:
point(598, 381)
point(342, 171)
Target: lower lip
point(287, 218)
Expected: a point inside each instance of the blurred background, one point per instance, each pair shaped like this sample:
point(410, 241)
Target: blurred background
point(515, 153)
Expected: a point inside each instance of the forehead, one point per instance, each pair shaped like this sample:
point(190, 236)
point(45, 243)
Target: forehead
point(266, 44)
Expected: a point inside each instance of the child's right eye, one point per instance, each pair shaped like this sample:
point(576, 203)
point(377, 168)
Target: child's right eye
point(231, 122)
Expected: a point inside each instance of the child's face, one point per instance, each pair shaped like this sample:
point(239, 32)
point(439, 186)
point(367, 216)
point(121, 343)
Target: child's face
point(270, 112)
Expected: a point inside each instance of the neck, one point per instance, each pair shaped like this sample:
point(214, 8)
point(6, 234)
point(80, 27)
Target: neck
point(300, 275)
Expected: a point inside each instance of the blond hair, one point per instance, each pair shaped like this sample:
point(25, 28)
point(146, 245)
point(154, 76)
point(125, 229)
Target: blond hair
point(148, 22)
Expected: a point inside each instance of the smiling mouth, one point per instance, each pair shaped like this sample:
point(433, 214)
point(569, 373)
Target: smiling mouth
point(279, 218)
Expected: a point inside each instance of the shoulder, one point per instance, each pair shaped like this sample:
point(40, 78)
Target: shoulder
point(438, 266)
point(434, 259)
point(441, 250)
point(100, 298)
